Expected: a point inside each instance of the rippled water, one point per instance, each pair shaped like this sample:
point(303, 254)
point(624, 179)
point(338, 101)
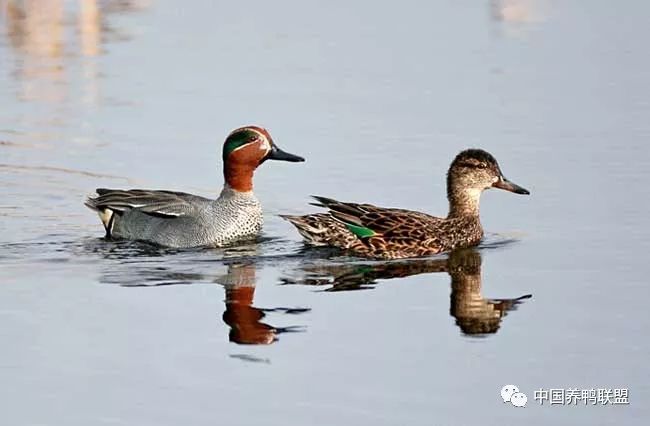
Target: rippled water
point(378, 98)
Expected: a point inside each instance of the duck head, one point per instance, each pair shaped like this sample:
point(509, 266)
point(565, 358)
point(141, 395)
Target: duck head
point(472, 172)
point(244, 150)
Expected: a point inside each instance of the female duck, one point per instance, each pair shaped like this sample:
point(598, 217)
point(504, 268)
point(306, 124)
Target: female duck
point(387, 233)
point(177, 219)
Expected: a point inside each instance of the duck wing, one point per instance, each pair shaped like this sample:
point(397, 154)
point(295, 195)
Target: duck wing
point(367, 220)
point(167, 204)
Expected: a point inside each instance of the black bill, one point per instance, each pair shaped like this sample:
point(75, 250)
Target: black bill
point(277, 154)
point(505, 184)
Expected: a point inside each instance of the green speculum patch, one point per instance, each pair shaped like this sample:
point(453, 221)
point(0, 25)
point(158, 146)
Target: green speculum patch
point(360, 231)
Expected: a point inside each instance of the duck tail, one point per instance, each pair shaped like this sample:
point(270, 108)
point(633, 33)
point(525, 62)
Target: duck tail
point(312, 228)
point(107, 216)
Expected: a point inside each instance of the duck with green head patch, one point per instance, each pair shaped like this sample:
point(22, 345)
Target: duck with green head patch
point(178, 219)
point(388, 233)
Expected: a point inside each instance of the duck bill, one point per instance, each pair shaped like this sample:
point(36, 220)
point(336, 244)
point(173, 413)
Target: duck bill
point(505, 184)
point(277, 154)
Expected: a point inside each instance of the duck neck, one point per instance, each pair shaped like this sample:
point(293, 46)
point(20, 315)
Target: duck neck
point(239, 176)
point(464, 203)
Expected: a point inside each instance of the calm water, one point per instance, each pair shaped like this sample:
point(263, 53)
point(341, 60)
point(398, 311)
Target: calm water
point(378, 98)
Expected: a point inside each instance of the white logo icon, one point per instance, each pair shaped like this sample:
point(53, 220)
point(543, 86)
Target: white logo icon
point(518, 399)
point(511, 394)
point(507, 391)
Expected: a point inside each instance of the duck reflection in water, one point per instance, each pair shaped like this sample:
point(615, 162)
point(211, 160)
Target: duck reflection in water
point(474, 314)
point(141, 265)
point(245, 320)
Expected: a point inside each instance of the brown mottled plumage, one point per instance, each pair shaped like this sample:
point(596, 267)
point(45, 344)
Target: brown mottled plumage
point(388, 233)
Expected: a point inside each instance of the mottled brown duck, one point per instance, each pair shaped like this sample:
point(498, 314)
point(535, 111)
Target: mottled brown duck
point(388, 233)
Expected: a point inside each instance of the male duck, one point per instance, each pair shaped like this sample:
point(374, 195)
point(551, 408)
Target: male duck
point(177, 219)
point(387, 233)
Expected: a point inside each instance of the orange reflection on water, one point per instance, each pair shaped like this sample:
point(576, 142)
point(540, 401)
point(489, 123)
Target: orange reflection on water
point(245, 320)
point(89, 27)
point(518, 11)
point(55, 41)
point(35, 31)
